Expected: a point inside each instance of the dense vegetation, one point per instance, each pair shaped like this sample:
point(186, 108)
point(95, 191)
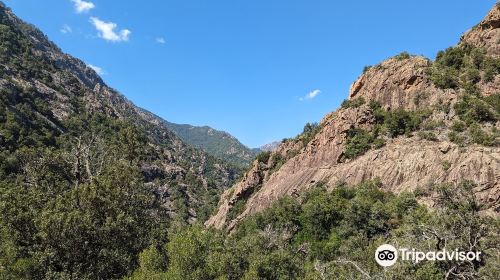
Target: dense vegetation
point(333, 235)
point(463, 67)
point(85, 185)
point(217, 143)
point(387, 123)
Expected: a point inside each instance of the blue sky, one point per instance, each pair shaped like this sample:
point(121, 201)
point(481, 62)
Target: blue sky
point(259, 69)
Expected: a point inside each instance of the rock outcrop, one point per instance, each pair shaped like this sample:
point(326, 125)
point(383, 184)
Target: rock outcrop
point(486, 34)
point(403, 164)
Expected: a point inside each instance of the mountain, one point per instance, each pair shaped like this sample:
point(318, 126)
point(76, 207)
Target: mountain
point(80, 165)
point(270, 147)
point(219, 144)
point(93, 187)
point(410, 122)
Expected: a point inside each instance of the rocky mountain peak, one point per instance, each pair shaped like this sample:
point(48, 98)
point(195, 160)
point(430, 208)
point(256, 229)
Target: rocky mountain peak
point(486, 34)
point(401, 90)
point(394, 83)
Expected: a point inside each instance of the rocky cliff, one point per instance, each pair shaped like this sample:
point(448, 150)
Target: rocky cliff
point(427, 154)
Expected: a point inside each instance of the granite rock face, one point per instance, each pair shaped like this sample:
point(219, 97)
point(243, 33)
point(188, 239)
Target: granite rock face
point(487, 33)
point(403, 164)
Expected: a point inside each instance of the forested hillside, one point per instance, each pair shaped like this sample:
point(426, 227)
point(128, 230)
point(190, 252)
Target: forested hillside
point(87, 179)
point(217, 143)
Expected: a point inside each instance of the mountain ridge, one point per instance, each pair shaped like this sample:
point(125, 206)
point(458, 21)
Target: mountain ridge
point(365, 138)
point(217, 143)
point(64, 86)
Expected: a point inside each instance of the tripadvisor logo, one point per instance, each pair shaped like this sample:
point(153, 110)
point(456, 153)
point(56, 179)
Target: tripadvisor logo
point(387, 255)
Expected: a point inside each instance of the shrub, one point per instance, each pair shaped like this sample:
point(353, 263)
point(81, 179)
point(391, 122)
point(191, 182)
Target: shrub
point(472, 109)
point(451, 57)
point(366, 68)
point(446, 165)
point(427, 135)
point(463, 66)
point(276, 162)
point(359, 141)
point(353, 103)
point(494, 101)
point(403, 122)
point(458, 126)
point(456, 138)
point(236, 210)
point(481, 137)
point(310, 130)
point(403, 56)
point(377, 111)
point(432, 124)
point(444, 78)
point(263, 157)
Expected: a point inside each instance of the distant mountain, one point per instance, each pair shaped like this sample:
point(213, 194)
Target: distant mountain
point(270, 147)
point(219, 144)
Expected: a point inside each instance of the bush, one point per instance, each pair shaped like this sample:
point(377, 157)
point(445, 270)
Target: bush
point(481, 137)
point(456, 138)
point(353, 103)
point(402, 122)
point(432, 124)
point(402, 56)
point(444, 78)
point(276, 162)
point(458, 126)
point(472, 109)
point(446, 165)
point(359, 141)
point(263, 157)
point(463, 66)
point(310, 130)
point(427, 135)
point(494, 101)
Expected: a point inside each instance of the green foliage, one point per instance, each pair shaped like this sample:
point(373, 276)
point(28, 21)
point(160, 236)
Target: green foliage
point(310, 130)
point(359, 142)
point(216, 143)
point(463, 67)
point(395, 123)
point(428, 135)
point(494, 101)
point(402, 122)
point(263, 157)
point(458, 126)
point(277, 160)
point(335, 234)
point(352, 103)
point(189, 253)
point(236, 210)
point(402, 56)
point(481, 137)
point(472, 109)
point(446, 165)
point(366, 68)
point(456, 138)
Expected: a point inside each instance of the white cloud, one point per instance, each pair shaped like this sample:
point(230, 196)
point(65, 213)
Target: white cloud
point(66, 29)
point(82, 6)
point(97, 69)
point(107, 30)
point(160, 40)
point(310, 95)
